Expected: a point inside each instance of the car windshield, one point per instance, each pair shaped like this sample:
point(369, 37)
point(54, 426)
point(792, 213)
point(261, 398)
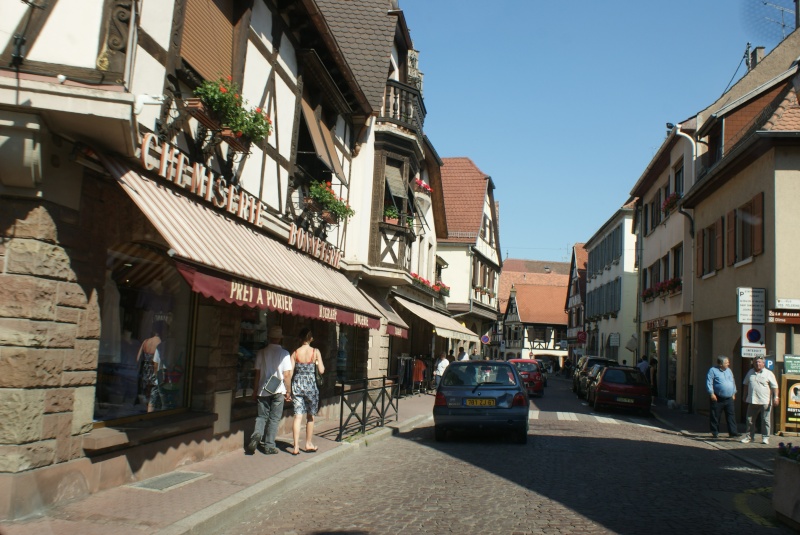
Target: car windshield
point(624, 377)
point(470, 374)
point(526, 366)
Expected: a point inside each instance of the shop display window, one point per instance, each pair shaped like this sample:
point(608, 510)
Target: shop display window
point(144, 337)
point(252, 337)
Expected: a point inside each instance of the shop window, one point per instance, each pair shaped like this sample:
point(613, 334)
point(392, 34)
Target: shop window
point(252, 338)
point(144, 337)
point(351, 353)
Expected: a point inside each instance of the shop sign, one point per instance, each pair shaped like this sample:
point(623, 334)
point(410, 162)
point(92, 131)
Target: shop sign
point(657, 324)
point(793, 400)
point(782, 316)
point(316, 247)
point(613, 339)
point(791, 364)
point(791, 304)
point(175, 167)
point(393, 330)
point(247, 294)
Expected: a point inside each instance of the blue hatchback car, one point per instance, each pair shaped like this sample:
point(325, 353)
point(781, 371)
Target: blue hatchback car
point(481, 395)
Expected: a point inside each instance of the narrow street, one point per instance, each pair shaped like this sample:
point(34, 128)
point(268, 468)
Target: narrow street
point(581, 472)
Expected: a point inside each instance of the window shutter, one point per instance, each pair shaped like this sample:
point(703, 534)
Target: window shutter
point(699, 253)
point(720, 260)
point(758, 224)
point(731, 241)
point(207, 41)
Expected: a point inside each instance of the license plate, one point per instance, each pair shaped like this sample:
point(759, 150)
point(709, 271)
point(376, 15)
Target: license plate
point(625, 400)
point(479, 402)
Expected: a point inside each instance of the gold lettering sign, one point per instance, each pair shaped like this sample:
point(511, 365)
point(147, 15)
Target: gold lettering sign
point(174, 166)
point(248, 293)
point(315, 247)
point(360, 321)
point(327, 313)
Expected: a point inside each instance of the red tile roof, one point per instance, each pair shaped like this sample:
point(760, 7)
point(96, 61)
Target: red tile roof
point(464, 187)
point(517, 271)
point(786, 116)
point(541, 304)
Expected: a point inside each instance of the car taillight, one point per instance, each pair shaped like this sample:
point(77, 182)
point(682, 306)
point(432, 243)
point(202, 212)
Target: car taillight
point(440, 400)
point(519, 400)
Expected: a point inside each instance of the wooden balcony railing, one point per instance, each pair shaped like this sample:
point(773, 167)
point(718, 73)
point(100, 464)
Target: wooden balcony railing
point(403, 106)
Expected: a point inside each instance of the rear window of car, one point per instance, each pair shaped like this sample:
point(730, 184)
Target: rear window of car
point(527, 366)
point(624, 377)
point(468, 374)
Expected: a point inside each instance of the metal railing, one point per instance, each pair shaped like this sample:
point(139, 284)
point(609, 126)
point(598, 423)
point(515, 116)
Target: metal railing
point(367, 406)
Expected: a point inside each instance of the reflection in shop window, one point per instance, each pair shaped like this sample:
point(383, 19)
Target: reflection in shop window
point(144, 334)
point(252, 338)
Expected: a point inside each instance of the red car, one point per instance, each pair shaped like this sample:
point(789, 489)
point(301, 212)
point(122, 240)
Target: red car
point(531, 375)
point(620, 386)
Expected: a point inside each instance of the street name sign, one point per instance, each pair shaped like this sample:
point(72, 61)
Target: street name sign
point(789, 304)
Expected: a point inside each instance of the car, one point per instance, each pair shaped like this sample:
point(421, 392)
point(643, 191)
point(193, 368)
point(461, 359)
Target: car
point(470, 399)
point(584, 365)
point(585, 380)
point(621, 386)
point(532, 376)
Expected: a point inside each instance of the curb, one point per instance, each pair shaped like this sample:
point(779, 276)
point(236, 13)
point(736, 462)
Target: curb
point(218, 517)
point(731, 452)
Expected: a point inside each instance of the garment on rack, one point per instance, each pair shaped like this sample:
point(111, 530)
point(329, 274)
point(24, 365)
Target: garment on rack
point(419, 370)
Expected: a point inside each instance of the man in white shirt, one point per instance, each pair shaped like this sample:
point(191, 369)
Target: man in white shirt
point(441, 366)
point(271, 360)
point(462, 355)
point(760, 393)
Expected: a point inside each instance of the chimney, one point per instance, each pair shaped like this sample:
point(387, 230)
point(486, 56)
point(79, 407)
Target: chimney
point(756, 56)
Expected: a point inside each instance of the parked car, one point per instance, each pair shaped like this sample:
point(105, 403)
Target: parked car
point(465, 402)
point(584, 365)
point(585, 380)
point(531, 373)
point(621, 386)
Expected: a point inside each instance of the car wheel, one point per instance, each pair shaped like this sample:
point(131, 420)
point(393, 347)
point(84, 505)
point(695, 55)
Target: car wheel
point(440, 434)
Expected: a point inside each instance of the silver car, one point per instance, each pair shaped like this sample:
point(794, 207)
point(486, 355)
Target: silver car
point(481, 395)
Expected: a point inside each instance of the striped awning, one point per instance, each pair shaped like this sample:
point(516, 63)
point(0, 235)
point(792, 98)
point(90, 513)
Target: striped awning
point(445, 326)
point(231, 261)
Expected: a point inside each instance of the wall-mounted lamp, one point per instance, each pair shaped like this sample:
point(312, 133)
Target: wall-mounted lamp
point(141, 100)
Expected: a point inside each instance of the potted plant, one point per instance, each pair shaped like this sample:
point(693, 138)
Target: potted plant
point(648, 293)
point(443, 288)
point(391, 215)
point(323, 199)
point(785, 487)
point(219, 106)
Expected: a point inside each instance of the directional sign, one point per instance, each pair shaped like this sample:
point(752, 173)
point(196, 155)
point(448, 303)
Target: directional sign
point(791, 304)
point(783, 316)
point(750, 352)
point(751, 305)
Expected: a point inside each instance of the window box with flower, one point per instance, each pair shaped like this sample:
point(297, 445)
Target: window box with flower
point(670, 202)
point(420, 186)
point(218, 105)
point(443, 288)
point(648, 294)
point(324, 200)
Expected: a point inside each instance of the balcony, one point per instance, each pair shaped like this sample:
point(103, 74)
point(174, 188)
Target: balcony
point(403, 107)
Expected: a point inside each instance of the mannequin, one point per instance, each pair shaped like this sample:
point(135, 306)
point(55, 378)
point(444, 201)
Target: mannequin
point(150, 362)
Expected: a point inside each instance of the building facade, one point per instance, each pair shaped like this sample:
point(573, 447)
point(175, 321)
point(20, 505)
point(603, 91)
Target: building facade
point(575, 306)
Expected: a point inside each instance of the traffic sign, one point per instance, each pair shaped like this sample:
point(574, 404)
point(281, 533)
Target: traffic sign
point(485, 339)
point(581, 337)
point(751, 305)
point(750, 352)
point(753, 335)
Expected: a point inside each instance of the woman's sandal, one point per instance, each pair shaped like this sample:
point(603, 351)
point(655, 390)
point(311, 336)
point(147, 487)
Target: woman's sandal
point(311, 450)
point(293, 452)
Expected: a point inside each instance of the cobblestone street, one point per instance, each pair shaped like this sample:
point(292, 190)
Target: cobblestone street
point(581, 472)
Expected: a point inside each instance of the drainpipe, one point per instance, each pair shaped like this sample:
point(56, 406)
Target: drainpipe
point(693, 263)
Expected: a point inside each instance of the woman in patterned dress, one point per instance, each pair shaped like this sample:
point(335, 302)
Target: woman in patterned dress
point(305, 394)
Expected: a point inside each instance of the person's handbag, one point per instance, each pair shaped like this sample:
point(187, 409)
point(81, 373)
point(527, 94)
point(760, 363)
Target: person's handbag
point(320, 378)
point(272, 385)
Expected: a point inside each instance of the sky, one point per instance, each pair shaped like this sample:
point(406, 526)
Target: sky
point(564, 104)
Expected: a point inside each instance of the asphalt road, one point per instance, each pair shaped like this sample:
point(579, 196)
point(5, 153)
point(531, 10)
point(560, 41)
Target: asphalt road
point(581, 472)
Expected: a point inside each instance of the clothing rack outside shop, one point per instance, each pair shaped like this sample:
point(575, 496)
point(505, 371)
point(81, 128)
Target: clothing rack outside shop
point(415, 375)
point(368, 403)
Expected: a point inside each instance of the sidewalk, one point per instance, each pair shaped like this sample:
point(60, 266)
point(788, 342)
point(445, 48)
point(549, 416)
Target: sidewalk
point(205, 497)
point(696, 426)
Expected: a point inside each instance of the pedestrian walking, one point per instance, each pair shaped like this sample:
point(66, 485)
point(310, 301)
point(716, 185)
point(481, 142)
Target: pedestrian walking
point(441, 366)
point(462, 355)
point(271, 361)
point(475, 355)
point(644, 367)
point(305, 394)
point(652, 372)
point(721, 388)
point(760, 390)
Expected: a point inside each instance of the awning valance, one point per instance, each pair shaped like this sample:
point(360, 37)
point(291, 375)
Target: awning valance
point(396, 326)
point(445, 326)
point(233, 262)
